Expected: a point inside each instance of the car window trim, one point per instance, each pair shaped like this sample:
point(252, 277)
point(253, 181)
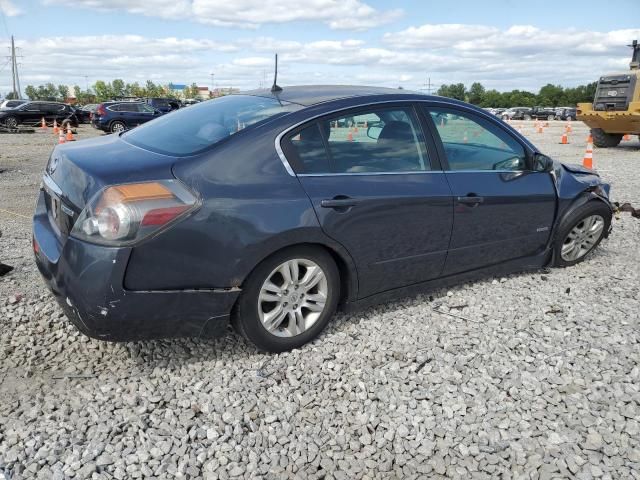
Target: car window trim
point(528, 149)
point(295, 128)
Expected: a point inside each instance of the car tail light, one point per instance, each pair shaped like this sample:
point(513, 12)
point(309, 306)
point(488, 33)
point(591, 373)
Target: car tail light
point(127, 213)
point(100, 110)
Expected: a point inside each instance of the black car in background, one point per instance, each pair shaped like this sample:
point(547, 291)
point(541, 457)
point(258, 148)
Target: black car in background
point(543, 113)
point(165, 105)
point(12, 103)
point(32, 113)
point(516, 113)
point(84, 112)
point(566, 113)
point(115, 117)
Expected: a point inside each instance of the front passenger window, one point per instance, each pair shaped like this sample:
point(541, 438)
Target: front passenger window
point(473, 143)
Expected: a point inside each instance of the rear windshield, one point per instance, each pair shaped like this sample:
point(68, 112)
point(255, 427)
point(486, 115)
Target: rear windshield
point(190, 130)
point(160, 102)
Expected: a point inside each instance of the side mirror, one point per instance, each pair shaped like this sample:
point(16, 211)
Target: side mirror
point(542, 163)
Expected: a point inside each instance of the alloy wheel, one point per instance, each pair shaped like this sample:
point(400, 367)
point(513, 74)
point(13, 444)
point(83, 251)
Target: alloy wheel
point(582, 238)
point(11, 123)
point(117, 127)
point(293, 297)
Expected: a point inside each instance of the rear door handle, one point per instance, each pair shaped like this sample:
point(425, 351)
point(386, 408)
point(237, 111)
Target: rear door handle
point(471, 200)
point(338, 203)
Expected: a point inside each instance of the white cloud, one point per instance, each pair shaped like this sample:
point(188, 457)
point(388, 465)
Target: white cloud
point(337, 14)
point(522, 56)
point(9, 9)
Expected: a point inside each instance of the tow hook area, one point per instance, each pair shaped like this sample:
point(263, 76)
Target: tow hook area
point(625, 207)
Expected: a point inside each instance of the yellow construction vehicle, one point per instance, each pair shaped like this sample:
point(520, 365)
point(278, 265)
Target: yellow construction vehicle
point(615, 110)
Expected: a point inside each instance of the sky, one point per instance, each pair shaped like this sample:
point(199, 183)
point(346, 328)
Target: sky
point(504, 44)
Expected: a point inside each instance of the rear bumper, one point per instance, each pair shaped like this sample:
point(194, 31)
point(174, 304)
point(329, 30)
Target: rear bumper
point(87, 282)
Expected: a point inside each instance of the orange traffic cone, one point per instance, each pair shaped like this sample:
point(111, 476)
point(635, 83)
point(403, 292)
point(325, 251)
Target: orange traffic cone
point(540, 130)
point(568, 127)
point(61, 136)
point(587, 161)
point(626, 137)
point(56, 130)
point(43, 125)
point(589, 139)
point(69, 137)
point(350, 137)
point(564, 139)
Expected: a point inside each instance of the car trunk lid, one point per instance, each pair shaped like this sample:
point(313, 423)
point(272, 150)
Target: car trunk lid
point(78, 171)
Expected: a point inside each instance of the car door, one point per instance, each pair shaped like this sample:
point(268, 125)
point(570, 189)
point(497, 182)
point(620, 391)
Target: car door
point(146, 112)
point(31, 113)
point(503, 209)
point(377, 189)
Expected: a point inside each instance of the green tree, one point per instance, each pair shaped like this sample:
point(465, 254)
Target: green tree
point(103, 91)
point(31, 92)
point(455, 90)
point(63, 92)
point(117, 87)
point(476, 93)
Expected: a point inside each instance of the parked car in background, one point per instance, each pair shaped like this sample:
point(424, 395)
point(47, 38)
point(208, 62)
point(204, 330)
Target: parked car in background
point(12, 103)
point(263, 209)
point(31, 113)
point(116, 117)
point(84, 112)
point(543, 113)
point(162, 104)
point(191, 101)
point(566, 113)
point(516, 113)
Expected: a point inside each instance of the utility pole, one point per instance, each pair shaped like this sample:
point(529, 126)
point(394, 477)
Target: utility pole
point(428, 86)
point(86, 82)
point(212, 84)
point(14, 69)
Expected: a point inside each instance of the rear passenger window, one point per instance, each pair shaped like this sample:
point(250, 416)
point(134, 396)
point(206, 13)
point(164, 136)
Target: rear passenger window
point(309, 147)
point(473, 143)
point(381, 140)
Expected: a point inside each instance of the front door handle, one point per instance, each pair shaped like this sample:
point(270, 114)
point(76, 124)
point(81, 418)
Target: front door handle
point(472, 200)
point(339, 202)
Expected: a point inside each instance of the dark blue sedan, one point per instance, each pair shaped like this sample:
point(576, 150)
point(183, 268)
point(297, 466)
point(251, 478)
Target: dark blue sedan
point(271, 209)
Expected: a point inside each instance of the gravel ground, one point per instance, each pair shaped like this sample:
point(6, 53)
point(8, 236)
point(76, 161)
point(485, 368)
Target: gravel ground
point(531, 376)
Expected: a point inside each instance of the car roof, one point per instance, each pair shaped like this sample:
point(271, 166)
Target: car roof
point(308, 95)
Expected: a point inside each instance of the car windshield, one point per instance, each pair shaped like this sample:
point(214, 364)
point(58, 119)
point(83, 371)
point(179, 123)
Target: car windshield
point(189, 131)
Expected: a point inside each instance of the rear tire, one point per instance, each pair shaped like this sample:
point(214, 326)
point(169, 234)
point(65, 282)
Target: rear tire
point(605, 140)
point(577, 237)
point(527, 117)
point(117, 127)
point(551, 117)
point(271, 309)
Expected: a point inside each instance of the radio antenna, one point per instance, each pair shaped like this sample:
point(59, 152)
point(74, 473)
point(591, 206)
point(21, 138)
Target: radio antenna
point(275, 88)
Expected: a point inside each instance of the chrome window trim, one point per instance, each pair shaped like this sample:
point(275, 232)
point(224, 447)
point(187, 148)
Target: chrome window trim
point(340, 174)
point(290, 171)
point(51, 185)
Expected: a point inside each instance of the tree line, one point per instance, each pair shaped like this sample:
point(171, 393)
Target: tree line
point(102, 91)
point(548, 96)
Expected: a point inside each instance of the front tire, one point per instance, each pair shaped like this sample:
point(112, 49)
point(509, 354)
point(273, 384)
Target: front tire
point(11, 123)
point(527, 117)
point(605, 140)
point(581, 232)
point(288, 299)
point(551, 117)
